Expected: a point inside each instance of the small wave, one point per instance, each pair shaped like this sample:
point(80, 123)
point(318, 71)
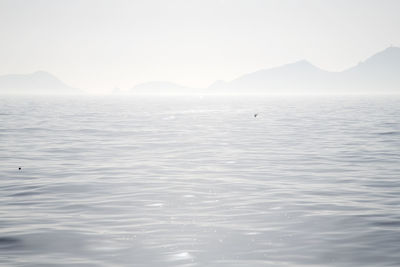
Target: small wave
point(9, 242)
point(388, 224)
point(389, 133)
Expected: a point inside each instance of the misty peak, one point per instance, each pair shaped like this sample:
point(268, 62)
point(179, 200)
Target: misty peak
point(36, 82)
point(390, 52)
point(301, 64)
point(388, 57)
point(43, 74)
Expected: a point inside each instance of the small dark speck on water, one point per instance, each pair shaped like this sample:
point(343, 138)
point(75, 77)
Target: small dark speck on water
point(19, 168)
point(255, 115)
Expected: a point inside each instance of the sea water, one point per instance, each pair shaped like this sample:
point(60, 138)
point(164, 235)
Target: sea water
point(200, 181)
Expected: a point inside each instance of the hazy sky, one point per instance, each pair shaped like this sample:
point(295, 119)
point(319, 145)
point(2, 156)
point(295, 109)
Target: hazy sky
point(102, 44)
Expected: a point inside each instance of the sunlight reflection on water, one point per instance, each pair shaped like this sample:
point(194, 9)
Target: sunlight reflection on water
point(200, 181)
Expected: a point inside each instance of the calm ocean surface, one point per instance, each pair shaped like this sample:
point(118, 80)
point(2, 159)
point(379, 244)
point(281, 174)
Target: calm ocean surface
point(114, 181)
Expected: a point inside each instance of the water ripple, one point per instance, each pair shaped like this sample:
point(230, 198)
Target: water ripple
point(200, 182)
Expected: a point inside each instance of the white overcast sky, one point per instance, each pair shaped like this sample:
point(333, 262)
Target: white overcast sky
point(102, 44)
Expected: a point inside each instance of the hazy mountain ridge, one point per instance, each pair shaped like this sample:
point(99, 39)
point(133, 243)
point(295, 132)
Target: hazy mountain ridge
point(381, 72)
point(39, 82)
point(378, 73)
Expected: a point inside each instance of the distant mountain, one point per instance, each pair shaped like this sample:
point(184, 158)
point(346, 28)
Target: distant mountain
point(379, 73)
point(39, 82)
point(160, 88)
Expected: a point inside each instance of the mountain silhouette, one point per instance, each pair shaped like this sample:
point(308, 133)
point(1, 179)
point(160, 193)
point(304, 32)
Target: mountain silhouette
point(39, 82)
point(378, 74)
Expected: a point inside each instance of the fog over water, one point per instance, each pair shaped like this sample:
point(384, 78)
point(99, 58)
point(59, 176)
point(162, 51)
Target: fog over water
point(200, 181)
